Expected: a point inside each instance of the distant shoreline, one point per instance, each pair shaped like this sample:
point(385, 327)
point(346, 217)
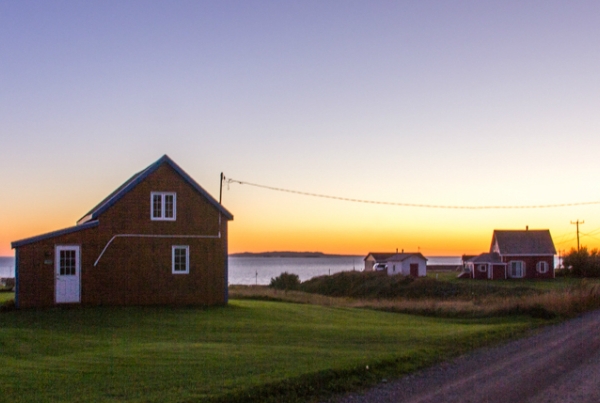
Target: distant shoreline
point(288, 254)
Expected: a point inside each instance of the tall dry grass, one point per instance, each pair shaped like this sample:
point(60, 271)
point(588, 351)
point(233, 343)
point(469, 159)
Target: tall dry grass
point(562, 303)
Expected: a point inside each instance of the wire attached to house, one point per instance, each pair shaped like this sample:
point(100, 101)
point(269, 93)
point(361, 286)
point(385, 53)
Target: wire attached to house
point(399, 204)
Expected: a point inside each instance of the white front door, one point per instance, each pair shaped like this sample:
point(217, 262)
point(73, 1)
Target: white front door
point(68, 268)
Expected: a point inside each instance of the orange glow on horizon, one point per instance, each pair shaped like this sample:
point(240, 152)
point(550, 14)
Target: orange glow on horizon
point(287, 223)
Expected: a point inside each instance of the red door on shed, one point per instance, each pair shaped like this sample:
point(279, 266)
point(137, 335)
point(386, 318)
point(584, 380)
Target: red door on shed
point(414, 269)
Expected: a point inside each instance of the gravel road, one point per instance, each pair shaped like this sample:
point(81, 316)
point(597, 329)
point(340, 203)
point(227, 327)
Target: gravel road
point(560, 363)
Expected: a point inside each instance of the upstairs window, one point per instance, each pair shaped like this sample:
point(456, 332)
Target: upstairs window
point(163, 206)
point(181, 259)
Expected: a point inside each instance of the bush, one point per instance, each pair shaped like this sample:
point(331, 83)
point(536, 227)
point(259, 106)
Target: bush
point(379, 285)
point(8, 306)
point(356, 284)
point(285, 281)
point(583, 263)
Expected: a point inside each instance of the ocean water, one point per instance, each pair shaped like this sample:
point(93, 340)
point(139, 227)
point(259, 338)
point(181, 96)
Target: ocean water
point(7, 266)
point(260, 270)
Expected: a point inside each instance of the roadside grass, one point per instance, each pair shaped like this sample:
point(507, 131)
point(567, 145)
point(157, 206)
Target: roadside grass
point(249, 351)
point(558, 283)
point(565, 298)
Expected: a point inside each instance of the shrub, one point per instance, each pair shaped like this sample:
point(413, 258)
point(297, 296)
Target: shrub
point(285, 281)
point(583, 263)
point(356, 284)
point(380, 285)
point(8, 306)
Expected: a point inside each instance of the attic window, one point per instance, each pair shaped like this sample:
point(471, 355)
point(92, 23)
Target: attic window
point(163, 206)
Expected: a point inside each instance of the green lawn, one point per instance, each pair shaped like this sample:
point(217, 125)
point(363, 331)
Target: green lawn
point(5, 296)
point(187, 354)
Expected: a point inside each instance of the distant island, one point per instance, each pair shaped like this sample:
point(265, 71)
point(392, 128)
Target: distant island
point(285, 254)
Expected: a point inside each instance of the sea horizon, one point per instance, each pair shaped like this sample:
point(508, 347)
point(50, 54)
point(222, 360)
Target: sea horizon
point(259, 269)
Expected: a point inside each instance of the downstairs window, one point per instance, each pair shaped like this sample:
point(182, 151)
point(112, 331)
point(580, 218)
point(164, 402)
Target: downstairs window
point(542, 267)
point(181, 259)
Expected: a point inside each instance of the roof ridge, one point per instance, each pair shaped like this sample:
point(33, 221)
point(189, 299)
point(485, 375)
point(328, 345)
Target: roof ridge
point(137, 178)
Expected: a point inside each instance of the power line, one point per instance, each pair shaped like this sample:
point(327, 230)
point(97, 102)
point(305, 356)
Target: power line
point(591, 236)
point(562, 236)
point(594, 232)
point(568, 240)
point(431, 206)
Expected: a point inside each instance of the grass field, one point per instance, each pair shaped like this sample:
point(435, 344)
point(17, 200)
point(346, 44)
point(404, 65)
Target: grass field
point(248, 351)
point(442, 297)
point(6, 296)
point(558, 283)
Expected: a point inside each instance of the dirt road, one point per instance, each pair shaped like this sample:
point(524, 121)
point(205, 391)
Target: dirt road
point(559, 364)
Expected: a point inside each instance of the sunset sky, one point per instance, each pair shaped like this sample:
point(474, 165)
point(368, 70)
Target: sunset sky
point(460, 103)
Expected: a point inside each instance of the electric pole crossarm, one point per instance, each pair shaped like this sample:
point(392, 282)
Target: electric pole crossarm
point(577, 224)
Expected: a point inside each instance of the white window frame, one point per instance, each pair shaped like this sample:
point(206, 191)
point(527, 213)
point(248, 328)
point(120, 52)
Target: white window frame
point(542, 267)
point(175, 248)
point(163, 196)
point(510, 268)
point(482, 268)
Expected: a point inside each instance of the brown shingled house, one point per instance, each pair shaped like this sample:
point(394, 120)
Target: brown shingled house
point(516, 254)
point(157, 239)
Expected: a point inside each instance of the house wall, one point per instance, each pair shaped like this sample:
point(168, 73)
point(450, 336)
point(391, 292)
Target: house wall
point(498, 272)
point(403, 267)
point(493, 271)
point(470, 266)
point(36, 271)
point(530, 265)
point(369, 262)
point(394, 268)
point(137, 270)
point(478, 275)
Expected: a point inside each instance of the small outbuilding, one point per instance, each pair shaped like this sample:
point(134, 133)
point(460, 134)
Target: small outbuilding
point(159, 238)
point(408, 264)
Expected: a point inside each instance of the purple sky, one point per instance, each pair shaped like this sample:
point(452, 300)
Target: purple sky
point(463, 102)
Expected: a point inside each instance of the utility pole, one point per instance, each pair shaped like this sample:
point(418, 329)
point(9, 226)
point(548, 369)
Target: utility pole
point(577, 223)
point(221, 188)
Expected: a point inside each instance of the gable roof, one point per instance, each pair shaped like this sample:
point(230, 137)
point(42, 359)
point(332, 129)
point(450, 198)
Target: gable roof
point(492, 257)
point(136, 179)
point(527, 242)
point(48, 235)
point(399, 257)
point(380, 256)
